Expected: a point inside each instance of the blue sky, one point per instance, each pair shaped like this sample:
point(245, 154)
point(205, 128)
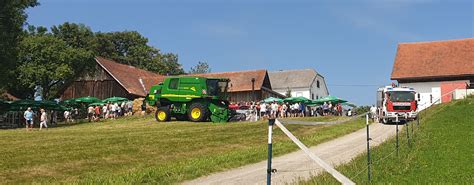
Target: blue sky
point(349, 42)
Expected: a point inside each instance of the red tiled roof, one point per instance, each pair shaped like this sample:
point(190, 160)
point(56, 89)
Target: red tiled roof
point(240, 80)
point(128, 76)
point(451, 58)
point(8, 96)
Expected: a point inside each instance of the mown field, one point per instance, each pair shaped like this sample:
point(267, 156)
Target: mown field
point(140, 150)
point(442, 152)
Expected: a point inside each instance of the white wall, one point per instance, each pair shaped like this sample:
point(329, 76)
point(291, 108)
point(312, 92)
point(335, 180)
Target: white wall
point(296, 92)
point(322, 90)
point(428, 92)
point(461, 93)
point(307, 91)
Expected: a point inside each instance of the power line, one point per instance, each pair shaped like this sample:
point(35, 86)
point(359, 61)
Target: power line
point(356, 85)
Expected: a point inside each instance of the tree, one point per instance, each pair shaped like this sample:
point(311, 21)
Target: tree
point(12, 19)
point(200, 68)
point(131, 48)
point(75, 35)
point(49, 62)
point(288, 93)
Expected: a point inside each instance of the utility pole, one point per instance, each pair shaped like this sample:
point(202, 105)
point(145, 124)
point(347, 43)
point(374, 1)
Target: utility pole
point(253, 90)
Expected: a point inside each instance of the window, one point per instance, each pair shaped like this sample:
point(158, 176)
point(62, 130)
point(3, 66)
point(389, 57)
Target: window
point(174, 83)
point(312, 96)
point(317, 83)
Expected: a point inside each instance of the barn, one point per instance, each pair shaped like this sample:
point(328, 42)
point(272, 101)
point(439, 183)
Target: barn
point(112, 79)
point(439, 71)
point(245, 86)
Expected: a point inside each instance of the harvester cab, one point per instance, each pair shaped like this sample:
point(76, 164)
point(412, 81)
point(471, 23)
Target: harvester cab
point(191, 98)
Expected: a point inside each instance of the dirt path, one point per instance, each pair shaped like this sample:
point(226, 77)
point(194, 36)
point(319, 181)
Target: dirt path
point(297, 165)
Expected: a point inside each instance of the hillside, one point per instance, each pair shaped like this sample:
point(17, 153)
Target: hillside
point(442, 151)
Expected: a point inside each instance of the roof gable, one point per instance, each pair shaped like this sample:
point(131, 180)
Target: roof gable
point(129, 77)
point(434, 59)
point(300, 78)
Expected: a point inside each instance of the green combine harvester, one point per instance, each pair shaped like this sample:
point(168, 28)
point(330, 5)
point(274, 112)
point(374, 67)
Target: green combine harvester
point(195, 99)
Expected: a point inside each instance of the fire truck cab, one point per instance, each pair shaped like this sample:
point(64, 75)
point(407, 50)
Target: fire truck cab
point(396, 102)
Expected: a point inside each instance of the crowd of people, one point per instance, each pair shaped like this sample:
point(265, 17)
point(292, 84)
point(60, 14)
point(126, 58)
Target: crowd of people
point(109, 111)
point(297, 109)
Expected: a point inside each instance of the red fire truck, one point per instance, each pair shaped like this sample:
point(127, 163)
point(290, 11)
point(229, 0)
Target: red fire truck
point(393, 102)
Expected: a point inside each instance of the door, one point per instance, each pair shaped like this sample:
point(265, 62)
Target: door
point(436, 95)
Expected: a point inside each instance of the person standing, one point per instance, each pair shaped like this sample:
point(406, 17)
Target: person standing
point(130, 108)
point(43, 119)
point(28, 115)
point(302, 108)
point(104, 111)
point(263, 109)
point(90, 113)
point(113, 110)
point(325, 109)
point(97, 112)
point(330, 108)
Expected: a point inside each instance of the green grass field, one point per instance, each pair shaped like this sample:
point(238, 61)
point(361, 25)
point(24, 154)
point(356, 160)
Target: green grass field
point(442, 152)
point(140, 150)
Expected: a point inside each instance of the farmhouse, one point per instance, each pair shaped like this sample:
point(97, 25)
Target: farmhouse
point(304, 82)
point(112, 79)
point(251, 85)
point(439, 70)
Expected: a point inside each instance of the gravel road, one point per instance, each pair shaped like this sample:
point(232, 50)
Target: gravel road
point(297, 165)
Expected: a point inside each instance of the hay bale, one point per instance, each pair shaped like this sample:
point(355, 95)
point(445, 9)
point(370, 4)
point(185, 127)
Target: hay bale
point(137, 107)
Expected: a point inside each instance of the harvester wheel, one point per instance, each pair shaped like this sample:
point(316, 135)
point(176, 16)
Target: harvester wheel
point(162, 114)
point(197, 112)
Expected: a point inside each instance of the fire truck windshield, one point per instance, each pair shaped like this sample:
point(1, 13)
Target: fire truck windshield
point(401, 96)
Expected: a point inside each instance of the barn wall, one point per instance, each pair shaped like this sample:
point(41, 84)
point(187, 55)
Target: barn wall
point(98, 84)
point(98, 88)
point(244, 96)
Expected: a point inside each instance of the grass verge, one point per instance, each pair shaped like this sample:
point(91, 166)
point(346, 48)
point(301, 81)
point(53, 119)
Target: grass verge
point(140, 150)
point(442, 152)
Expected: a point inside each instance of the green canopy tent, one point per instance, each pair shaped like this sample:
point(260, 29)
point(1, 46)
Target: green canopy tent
point(349, 104)
point(4, 105)
point(97, 104)
point(52, 105)
point(87, 100)
point(330, 98)
point(299, 99)
point(314, 103)
point(114, 100)
point(69, 101)
point(21, 105)
point(272, 99)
